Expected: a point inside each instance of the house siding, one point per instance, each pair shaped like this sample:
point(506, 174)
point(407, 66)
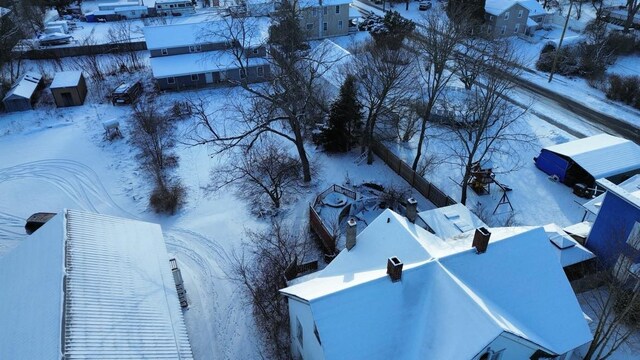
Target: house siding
point(499, 21)
point(611, 229)
point(310, 349)
point(184, 82)
point(185, 49)
point(331, 18)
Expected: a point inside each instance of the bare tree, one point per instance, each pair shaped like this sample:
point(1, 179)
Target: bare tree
point(632, 9)
point(616, 303)
point(259, 269)
point(287, 104)
point(152, 134)
point(265, 169)
point(90, 63)
point(122, 34)
point(435, 45)
point(385, 82)
point(486, 123)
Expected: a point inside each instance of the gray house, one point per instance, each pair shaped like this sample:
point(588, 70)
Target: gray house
point(324, 18)
point(22, 94)
point(206, 54)
point(508, 18)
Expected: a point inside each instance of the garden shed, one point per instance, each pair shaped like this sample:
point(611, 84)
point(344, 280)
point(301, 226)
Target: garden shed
point(22, 94)
point(594, 157)
point(69, 88)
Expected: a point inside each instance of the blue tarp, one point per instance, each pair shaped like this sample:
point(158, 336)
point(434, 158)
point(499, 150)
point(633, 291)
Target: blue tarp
point(552, 164)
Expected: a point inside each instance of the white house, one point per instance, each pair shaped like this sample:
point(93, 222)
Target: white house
point(403, 293)
point(91, 286)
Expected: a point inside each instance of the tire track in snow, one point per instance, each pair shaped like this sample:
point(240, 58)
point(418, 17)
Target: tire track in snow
point(76, 180)
point(205, 258)
point(11, 227)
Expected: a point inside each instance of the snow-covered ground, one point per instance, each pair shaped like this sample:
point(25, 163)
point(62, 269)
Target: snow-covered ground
point(55, 158)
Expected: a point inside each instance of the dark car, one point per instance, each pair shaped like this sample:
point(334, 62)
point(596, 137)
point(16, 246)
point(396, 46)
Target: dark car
point(126, 93)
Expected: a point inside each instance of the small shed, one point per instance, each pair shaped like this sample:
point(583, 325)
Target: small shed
point(69, 88)
point(594, 157)
point(22, 94)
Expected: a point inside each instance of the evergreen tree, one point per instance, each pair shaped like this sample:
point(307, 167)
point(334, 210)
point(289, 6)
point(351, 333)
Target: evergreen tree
point(345, 118)
point(285, 32)
point(393, 31)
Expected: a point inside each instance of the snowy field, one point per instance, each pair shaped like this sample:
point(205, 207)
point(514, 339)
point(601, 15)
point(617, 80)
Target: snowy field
point(58, 158)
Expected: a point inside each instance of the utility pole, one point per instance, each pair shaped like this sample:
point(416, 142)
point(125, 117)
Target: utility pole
point(564, 30)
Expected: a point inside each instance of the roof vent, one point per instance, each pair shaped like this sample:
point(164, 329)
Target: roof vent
point(412, 209)
point(481, 239)
point(394, 268)
point(352, 227)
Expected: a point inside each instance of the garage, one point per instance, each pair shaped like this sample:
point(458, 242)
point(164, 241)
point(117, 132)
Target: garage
point(585, 160)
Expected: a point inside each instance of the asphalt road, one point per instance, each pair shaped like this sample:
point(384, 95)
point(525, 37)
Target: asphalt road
point(596, 118)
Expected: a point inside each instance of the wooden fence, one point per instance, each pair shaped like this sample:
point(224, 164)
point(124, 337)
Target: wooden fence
point(327, 240)
point(424, 187)
point(56, 52)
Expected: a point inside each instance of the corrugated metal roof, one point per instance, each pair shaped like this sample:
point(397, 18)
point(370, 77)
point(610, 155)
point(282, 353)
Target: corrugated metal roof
point(121, 301)
point(601, 155)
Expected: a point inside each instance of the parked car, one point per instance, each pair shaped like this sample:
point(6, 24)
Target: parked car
point(424, 5)
point(126, 93)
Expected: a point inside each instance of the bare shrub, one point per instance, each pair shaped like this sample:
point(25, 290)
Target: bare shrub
point(168, 199)
point(259, 269)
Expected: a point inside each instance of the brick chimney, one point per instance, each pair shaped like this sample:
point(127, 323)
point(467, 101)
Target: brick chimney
point(481, 239)
point(412, 209)
point(351, 233)
point(394, 268)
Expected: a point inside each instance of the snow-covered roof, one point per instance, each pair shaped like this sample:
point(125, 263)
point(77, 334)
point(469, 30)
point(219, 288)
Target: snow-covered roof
point(497, 7)
point(4, 11)
point(66, 79)
point(114, 267)
point(316, 3)
point(450, 221)
point(531, 22)
point(361, 313)
point(331, 59)
point(630, 192)
point(534, 7)
point(570, 251)
point(26, 86)
point(601, 155)
point(256, 32)
point(631, 186)
point(581, 229)
point(198, 63)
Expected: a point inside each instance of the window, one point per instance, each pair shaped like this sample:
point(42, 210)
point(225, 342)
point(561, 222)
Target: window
point(520, 12)
point(314, 12)
point(634, 236)
point(309, 26)
point(180, 5)
point(621, 269)
point(194, 77)
point(171, 80)
point(340, 25)
point(254, 51)
point(260, 71)
point(171, 5)
point(516, 29)
point(337, 9)
point(164, 52)
point(194, 48)
point(299, 334)
point(506, 15)
point(243, 73)
point(324, 26)
point(325, 10)
point(503, 29)
point(490, 17)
